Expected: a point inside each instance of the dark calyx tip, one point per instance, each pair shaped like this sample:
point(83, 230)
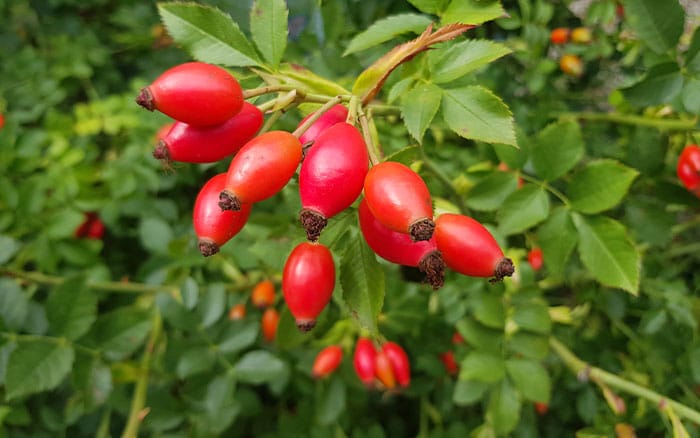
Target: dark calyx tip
point(229, 201)
point(313, 223)
point(504, 268)
point(421, 229)
point(161, 151)
point(145, 99)
point(305, 325)
point(208, 247)
point(434, 268)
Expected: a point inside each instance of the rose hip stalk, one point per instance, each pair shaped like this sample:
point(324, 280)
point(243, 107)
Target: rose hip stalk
point(468, 248)
point(398, 197)
point(327, 361)
point(364, 361)
point(308, 280)
point(194, 93)
point(336, 114)
point(331, 176)
point(398, 247)
point(213, 226)
point(209, 144)
point(260, 169)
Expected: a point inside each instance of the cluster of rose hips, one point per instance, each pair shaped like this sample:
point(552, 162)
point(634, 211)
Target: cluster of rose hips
point(395, 215)
point(688, 168)
point(569, 63)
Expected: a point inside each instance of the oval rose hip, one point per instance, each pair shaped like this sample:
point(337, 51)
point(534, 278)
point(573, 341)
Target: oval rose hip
point(468, 248)
point(400, 249)
point(400, 365)
point(213, 226)
point(263, 294)
point(209, 144)
point(364, 361)
point(260, 169)
point(269, 322)
point(308, 280)
point(383, 369)
point(195, 93)
point(688, 168)
point(327, 361)
point(534, 257)
point(398, 197)
point(336, 114)
point(331, 176)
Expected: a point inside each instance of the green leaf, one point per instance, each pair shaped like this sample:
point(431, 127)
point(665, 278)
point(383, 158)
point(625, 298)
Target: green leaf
point(476, 113)
point(155, 234)
point(503, 412)
point(557, 149)
point(660, 85)
point(259, 366)
point(385, 29)
point(600, 186)
point(14, 304)
point(189, 292)
point(362, 280)
point(658, 26)
point(238, 336)
point(480, 336)
point(692, 55)
point(529, 345)
point(418, 108)
point(288, 335)
point(213, 304)
point(37, 366)
point(533, 317)
point(8, 248)
point(121, 332)
point(208, 34)
point(523, 209)
point(71, 308)
point(468, 392)
point(607, 252)
point(434, 7)
point(93, 379)
point(268, 25)
point(691, 94)
point(194, 361)
point(490, 192)
point(489, 310)
point(557, 237)
point(220, 405)
point(472, 11)
point(530, 378)
point(332, 402)
point(462, 58)
point(482, 366)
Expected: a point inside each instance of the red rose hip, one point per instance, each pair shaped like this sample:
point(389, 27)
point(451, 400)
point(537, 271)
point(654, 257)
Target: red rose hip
point(399, 362)
point(308, 280)
point(209, 144)
point(688, 168)
point(336, 114)
point(364, 361)
point(534, 257)
point(327, 361)
point(212, 226)
point(398, 247)
point(398, 197)
point(469, 248)
point(331, 176)
point(260, 169)
point(195, 93)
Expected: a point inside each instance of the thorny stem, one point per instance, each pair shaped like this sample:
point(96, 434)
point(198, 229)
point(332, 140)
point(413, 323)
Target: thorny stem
point(136, 412)
point(316, 115)
point(440, 175)
point(548, 187)
point(372, 149)
point(628, 119)
point(578, 366)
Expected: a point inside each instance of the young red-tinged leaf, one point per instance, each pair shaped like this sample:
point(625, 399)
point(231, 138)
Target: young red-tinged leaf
point(476, 113)
point(385, 29)
point(371, 80)
point(268, 25)
point(608, 253)
point(600, 186)
point(418, 108)
point(37, 366)
point(208, 34)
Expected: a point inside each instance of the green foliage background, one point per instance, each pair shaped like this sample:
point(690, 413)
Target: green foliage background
point(107, 337)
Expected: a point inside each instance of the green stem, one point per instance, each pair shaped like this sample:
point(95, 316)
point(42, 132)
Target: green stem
point(352, 111)
point(547, 187)
point(442, 177)
point(384, 110)
point(316, 115)
point(373, 150)
point(628, 119)
point(138, 401)
point(13, 337)
point(254, 92)
point(108, 286)
point(270, 121)
point(578, 366)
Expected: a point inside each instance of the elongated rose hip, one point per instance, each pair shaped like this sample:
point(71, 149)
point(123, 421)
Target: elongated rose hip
point(364, 361)
point(327, 361)
point(336, 114)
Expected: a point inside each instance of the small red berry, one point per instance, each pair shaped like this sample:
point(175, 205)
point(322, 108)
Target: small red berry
point(688, 168)
point(560, 35)
point(308, 280)
point(336, 114)
point(571, 65)
point(534, 257)
point(263, 294)
point(448, 359)
point(92, 227)
point(400, 249)
point(383, 369)
point(331, 176)
point(260, 169)
point(398, 197)
point(363, 361)
point(400, 364)
point(469, 248)
point(581, 35)
point(457, 338)
point(208, 144)
point(195, 93)
point(212, 226)
point(237, 312)
point(270, 320)
point(327, 361)
point(541, 408)
point(2, 120)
